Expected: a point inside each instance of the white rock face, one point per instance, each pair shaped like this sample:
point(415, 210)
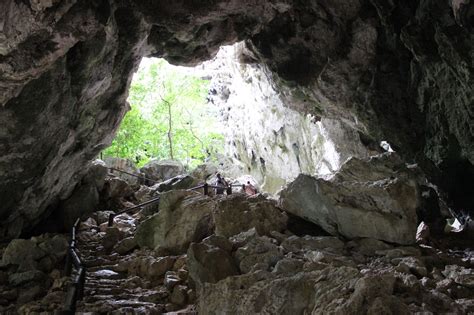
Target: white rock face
point(264, 137)
point(375, 198)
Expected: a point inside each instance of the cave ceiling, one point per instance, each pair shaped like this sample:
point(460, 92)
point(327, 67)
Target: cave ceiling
point(397, 70)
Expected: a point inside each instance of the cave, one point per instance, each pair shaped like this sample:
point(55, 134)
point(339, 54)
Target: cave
point(346, 80)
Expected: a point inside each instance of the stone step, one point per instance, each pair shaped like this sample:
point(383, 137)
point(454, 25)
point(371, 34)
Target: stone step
point(112, 298)
point(101, 267)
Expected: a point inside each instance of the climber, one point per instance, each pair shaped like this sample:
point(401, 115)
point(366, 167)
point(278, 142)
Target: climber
point(220, 182)
point(250, 189)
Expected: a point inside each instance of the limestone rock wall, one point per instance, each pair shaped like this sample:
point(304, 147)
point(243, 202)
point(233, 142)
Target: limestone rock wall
point(265, 137)
point(65, 74)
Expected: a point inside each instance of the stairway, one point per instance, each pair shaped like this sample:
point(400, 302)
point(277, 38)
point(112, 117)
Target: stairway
point(111, 291)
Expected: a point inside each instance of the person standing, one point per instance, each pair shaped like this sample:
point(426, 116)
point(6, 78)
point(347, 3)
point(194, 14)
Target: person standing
point(221, 185)
point(250, 189)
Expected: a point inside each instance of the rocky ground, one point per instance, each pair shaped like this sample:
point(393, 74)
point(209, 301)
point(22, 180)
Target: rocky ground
point(236, 254)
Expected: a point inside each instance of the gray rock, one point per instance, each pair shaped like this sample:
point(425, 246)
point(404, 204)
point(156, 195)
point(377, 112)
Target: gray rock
point(368, 246)
point(203, 171)
point(22, 252)
point(175, 183)
point(183, 217)
point(123, 165)
point(460, 275)
point(329, 243)
point(17, 279)
point(179, 295)
point(112, 236)
point(208, 263)
point(116, 188)
point(162, 170)
point(288, 266)
point(56, 246)
point(258, 253)
point(219, 241)
point(238, 213)
point(333, 290)
point(412, 264)
point(126, 245)
point(83, 201)
point(144, 193)
point(373, 198)
point(160, 266)
point(30, 293)
point(96, 174)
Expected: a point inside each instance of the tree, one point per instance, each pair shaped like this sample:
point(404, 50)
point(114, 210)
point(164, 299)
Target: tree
point(170, 117)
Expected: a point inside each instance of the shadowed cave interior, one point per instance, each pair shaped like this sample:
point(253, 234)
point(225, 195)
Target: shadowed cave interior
point(353, 119)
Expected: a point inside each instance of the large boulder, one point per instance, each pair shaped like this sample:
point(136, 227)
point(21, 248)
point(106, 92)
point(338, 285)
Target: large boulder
point(175, 183)
point(96, 174)
point(374, 198)
point(208, 262)
point(238, 213)
point(23, 253)
point(83, 201)
point(183, 217)
point(162, 170)
point(333, 290)
point(118, 164)
point(204, 171)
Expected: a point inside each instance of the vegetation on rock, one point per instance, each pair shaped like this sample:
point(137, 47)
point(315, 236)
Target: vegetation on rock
point(169, 117)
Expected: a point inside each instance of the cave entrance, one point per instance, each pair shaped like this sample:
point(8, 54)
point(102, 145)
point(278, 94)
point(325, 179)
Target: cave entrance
point(234, 112)
point(170, 117)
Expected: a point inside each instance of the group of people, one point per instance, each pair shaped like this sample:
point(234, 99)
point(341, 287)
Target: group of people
point(222, 185)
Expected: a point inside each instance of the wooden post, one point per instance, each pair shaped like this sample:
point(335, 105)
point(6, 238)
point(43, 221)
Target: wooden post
point(82, 281)
point(206, 189)
point(68, 268)
point(111, 220)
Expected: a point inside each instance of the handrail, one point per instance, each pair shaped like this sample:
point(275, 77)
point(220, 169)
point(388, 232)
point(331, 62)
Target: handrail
point(141, 205)
point(134, 175)
point(76, 289)
point(206, 187)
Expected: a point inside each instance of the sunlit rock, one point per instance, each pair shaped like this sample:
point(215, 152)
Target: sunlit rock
point(203, 171)
point(239, 213)
point(259, 125)
point(209, 263)
point(183, 217)
point(374, 198)
point(175, 183)
point(162, 170)
point(117, 165)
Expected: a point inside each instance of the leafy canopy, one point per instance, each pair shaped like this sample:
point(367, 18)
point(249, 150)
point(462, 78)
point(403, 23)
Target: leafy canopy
point(161, 96)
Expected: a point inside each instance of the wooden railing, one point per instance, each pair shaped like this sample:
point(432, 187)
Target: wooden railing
point(205, 187)
point(73, 260)
point(137, 207)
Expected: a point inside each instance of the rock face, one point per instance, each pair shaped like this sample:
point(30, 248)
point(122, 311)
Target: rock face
point(209, 263)
point(239, 213)
point(177, 224)
point(262, 138)
point(162, 170)
point(123, 165)
point(67, 90)
point(376, 198)
point(186, 216)
point(399, 72)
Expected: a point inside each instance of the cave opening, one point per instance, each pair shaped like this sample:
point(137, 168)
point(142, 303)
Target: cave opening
point(351, 117)
point(170, 117)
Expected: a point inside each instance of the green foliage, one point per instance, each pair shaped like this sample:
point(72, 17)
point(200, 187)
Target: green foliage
point(158, 90)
